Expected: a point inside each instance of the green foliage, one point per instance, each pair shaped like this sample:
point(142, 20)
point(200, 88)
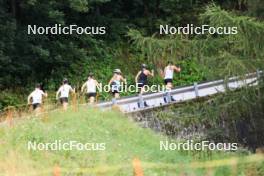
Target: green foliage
point(256, 8)
point(218, 56)
point(10, 99)
point(222, 55)
point(233, 54)
point(235, 116)
point(123, 140)
point(85, 126)
point(27, 59)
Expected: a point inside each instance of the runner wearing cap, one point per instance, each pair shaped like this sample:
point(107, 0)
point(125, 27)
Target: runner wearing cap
point(115, 82)
point(142, 78)
point(64, 91)
point(35, 98)
point(90, 86)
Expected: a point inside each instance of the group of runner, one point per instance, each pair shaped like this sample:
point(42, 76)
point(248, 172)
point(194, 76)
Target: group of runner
point(90, 86)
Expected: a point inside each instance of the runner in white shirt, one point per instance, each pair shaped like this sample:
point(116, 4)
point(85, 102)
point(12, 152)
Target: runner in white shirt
point(168, 74)
point(64, 91)
point(35, 97)
point(168, 78)
point(90, 86)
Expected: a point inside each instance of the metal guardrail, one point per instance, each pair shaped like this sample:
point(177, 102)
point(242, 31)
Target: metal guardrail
point(159, 99)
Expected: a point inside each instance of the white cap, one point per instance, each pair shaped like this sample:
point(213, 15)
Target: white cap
point(117, 71)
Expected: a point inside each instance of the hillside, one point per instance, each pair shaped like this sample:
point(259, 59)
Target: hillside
point(123, 139)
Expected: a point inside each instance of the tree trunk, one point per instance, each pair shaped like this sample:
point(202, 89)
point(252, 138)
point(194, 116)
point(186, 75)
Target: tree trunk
point(15, 9)
point(13, 6)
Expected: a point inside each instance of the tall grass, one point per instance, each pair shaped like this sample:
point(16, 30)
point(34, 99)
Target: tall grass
point(124, 141)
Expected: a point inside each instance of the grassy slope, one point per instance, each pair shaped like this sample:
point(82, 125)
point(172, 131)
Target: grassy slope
point(124, 140)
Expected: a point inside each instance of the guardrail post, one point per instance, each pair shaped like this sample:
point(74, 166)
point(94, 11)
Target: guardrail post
point(114, 101)
point(138, 171)
point(167, 98)
point(141, 101)
point(195, 85)
point(170, 96)
point(258, 74)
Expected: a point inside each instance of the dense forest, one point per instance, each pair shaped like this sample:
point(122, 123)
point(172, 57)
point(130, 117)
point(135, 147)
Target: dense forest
point(131, 39)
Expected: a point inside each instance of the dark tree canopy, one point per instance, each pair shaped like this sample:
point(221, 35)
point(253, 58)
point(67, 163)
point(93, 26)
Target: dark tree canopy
point(27, 59)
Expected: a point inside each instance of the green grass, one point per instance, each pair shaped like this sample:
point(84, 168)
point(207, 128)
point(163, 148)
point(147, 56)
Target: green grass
point(124, 141)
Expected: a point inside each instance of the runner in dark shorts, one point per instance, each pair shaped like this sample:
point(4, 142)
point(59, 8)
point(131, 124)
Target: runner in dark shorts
point(142, 78)
point(64, 91)
point(90, 85)
point(168, 74)
point(64, 100)
point(36, 105)
point(91, 94)
point(35, 98)
point(141, 81)
point(115, 83)
point(166, 81)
